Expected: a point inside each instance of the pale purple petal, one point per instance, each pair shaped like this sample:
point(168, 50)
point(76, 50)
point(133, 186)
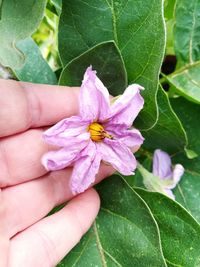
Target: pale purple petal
point(94, 101)
point(57, 160)
point(162, 164)
point(126, 108)
point(67, 131)
point(131, 138)
point(117, 155)
point(169, 193)
point(178, 172)
point(60, 159)
point(85, 169)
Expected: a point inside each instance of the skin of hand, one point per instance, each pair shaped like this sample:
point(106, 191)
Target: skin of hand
point(27, 191)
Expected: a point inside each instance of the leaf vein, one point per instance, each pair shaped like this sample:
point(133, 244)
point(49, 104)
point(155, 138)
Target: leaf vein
point(112, 258)
point(101, 251)
point(141, 25)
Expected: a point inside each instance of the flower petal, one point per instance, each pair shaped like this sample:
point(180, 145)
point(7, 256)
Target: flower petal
point(126, 108)
point(162, 164)
point(178, 172)
point(118, 155)
point(85, 169)
point(131, 138)
point(60, 159)
point(67, 131)
point(94, 98)
point(176, 176)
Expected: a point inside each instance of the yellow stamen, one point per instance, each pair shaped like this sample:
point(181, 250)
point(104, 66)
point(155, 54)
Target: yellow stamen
point(97, 132)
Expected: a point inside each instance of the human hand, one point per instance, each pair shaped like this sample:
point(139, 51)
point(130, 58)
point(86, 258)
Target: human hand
point(28, 192)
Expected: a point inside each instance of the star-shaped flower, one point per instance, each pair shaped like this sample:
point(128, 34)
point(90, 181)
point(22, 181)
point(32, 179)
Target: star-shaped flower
point(101, 132)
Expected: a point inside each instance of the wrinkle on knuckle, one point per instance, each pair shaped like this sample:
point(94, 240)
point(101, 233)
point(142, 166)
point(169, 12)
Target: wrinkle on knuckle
point(34, 107)
point(25, 109)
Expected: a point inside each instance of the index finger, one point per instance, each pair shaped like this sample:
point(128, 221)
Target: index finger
point(26, 105)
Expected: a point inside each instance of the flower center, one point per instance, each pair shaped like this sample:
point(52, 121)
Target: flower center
point(97, 132)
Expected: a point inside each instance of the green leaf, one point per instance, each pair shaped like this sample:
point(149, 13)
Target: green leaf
point(189, 115)
point(187, 192)
point(185, 80)
point(106, 59)
point(191, 154)
point(125, 233)
point(19, 19)
point(168, 134)
point(180, 233)
point(186, 31)
point(136, 28)
point(35, 69)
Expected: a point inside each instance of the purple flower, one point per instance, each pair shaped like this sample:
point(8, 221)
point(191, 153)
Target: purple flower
point(162, 168)
point(100, 132)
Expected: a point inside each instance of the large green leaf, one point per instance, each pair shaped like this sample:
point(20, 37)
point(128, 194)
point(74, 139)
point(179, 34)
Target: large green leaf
point(106, 59)
point(136, 28)
point(188, 191)
point(18, 21)
point(180, 233)
point(35, 69)
point(187, 47)
point(168, 134)
point(125, 233)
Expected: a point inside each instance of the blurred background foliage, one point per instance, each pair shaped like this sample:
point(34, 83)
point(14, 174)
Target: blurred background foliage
point(46, 36)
